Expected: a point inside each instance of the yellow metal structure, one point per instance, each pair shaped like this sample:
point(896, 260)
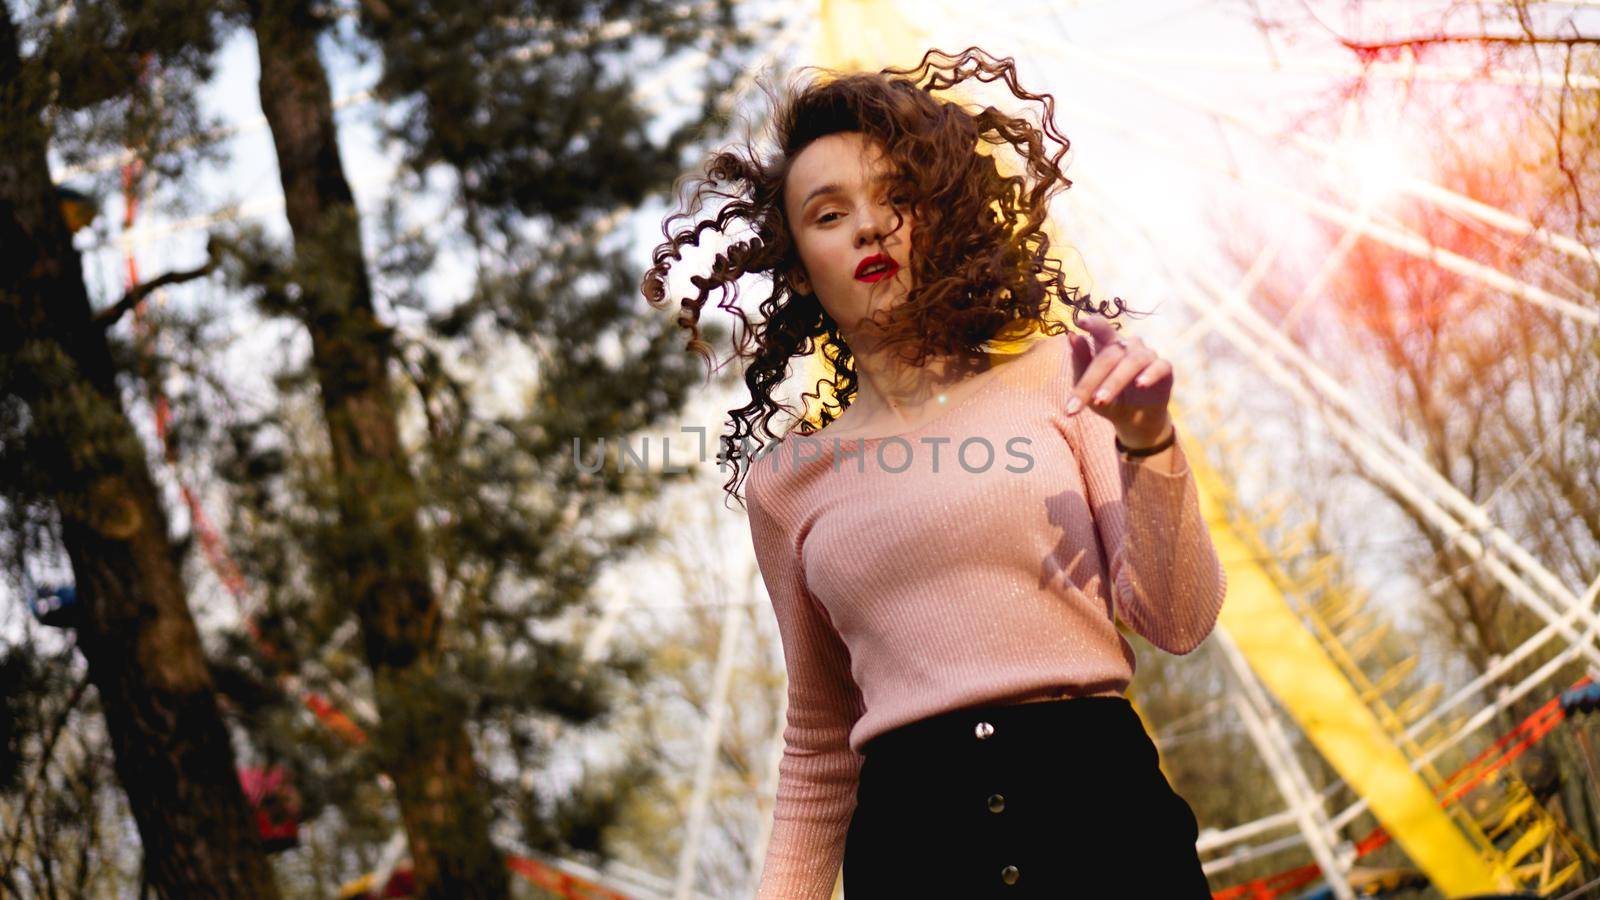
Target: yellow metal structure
point(1333, 713)
point(1499, 816)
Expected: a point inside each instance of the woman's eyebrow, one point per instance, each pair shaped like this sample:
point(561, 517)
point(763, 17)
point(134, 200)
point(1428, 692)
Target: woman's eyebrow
point(829, 188)
point(833, 187)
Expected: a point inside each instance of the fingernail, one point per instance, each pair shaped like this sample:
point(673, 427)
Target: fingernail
point(1100, 397)
point(1073, 405)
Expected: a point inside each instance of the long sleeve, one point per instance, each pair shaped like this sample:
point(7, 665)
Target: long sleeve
point(1166, 580)
point(818, 773)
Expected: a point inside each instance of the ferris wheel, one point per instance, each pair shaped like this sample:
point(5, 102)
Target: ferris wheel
point(1305, 649)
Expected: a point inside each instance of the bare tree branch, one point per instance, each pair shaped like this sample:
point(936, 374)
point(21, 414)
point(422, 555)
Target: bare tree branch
point(49, 749)
point(109, 316)
point(1370, 50)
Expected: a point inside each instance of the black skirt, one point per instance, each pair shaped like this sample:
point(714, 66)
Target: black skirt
point(1059, 798)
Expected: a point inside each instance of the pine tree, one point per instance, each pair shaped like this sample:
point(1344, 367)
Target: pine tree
point(420, 566)
point(524, 103)
point(69, 448)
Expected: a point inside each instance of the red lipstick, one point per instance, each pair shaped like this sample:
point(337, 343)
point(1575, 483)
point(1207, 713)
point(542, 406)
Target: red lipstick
point(876, 267)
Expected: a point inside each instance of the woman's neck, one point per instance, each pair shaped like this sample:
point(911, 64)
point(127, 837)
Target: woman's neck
point(889, 389)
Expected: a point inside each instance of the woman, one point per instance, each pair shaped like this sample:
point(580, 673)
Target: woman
point(948, 555)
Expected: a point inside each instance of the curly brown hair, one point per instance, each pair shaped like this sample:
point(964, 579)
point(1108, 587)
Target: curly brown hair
point(987, 278)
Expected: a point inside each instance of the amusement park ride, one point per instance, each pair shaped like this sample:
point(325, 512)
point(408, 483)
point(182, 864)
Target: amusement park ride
point(1296, 640)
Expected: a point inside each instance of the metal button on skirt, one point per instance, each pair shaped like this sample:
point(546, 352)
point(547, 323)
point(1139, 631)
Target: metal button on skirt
point(1060, 798)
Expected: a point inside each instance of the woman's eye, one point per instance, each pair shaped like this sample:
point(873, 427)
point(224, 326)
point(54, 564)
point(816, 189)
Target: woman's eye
point(824, 217)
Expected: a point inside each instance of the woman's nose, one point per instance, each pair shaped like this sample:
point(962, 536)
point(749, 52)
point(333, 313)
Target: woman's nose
point(872, 229)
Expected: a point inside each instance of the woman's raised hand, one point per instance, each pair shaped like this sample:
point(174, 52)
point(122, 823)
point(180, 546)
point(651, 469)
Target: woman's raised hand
point(1123, 380)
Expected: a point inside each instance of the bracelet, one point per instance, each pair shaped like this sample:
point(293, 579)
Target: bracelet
point(1172, 438)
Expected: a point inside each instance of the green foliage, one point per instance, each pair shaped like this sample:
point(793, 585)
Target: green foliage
point(118, 76)
point(528, 111)
point(531, 103)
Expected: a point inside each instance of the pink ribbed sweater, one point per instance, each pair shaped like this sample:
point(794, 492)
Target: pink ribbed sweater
point(909, 579)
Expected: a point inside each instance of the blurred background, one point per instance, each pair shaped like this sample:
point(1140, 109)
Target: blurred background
point(308, 306)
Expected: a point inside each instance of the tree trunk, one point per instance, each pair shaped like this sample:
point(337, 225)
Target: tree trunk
point(423, 737)
point(173, 754)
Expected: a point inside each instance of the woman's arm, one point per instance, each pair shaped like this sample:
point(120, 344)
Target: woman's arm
point(1165, 577)
point(818, 773)
point(1167, 582)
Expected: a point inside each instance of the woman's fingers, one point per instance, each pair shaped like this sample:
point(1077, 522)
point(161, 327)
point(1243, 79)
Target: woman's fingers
point(1123, 380)
point(1116, 381)
point(1094, 364)
point(1153, 373)
point(1094, 374)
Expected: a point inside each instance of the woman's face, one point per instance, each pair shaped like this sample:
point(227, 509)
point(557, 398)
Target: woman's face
point(840, 216)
